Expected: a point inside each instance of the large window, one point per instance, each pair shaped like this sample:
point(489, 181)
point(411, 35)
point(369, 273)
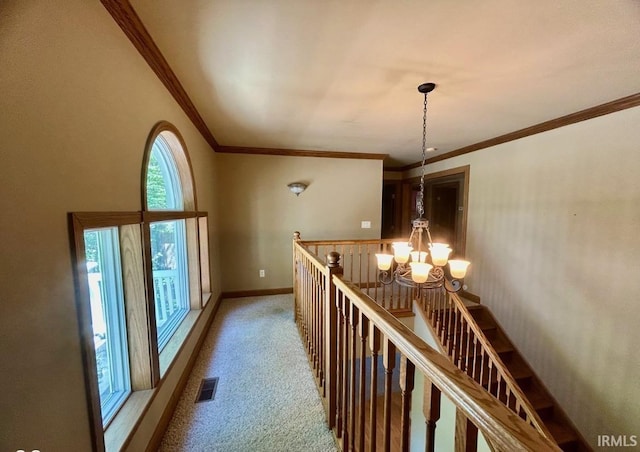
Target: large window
point(104, 275)
point(142, 281)
point(168, 242)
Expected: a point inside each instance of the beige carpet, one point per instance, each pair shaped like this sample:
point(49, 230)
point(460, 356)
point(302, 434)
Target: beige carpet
point(266, 399)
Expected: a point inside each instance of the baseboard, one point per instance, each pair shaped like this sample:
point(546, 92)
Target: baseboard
point(163, 423)
point(257, 293)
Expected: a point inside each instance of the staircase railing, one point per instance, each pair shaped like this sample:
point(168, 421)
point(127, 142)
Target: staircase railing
point(471, 351)
point(345, 333)
point(360, 267)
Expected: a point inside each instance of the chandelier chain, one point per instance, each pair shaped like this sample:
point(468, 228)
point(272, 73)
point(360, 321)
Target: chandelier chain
point(424, 158)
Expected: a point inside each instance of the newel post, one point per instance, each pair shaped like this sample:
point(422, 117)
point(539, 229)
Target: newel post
point(296, 238)
point(331, 336)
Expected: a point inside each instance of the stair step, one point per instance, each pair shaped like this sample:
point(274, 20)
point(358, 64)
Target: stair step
point(563, 435)
point(520, 371)
point(540, 402)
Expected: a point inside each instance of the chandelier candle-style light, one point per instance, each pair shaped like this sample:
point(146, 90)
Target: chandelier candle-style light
point(412, 268)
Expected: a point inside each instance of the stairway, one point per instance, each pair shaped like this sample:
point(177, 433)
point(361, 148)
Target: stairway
point(559, 425)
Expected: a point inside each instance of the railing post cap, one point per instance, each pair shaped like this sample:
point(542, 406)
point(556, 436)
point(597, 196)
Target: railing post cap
point(333, 259)
point(296, 235)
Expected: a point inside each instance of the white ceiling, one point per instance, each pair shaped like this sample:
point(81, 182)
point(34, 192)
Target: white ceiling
point(342, 75)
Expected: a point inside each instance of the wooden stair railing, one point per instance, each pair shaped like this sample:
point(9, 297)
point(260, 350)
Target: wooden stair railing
point(344, 331)
point(554, 418)
point(464, 341)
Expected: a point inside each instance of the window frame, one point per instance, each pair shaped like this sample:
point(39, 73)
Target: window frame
point(146, 366)
point(174, 153)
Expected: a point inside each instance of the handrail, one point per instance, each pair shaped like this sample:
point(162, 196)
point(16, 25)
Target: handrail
point(510, 382)
point(504, 428)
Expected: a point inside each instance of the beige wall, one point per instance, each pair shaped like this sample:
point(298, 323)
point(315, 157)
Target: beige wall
point(76, 107)
point(553, 237)
point(258, 214)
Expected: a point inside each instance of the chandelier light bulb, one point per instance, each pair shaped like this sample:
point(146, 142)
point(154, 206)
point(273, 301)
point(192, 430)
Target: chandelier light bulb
point(420, 272)
point(384, 261)
point(401, 252)
point(458, 268)
point(419, 256)
point(440, 254)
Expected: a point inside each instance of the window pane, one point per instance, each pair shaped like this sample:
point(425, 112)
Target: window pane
point(163, 182)
point(170, 287)
point(108, 319)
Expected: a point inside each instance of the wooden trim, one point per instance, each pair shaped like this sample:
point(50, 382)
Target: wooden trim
point(129, 21)
point(301, 153)
point(167, 414)
point(193, 263)
point(90, 220)
point(167, 215)
point(81, 285)
point(135, 306)
point(152, 328)
point(573, 118)
point(181, 158)
point(257, 293)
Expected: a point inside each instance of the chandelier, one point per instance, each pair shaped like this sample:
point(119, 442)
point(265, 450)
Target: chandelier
point(410, 257)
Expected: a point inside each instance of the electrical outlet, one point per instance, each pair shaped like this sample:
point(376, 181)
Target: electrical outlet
point(262, 273)
point(365, 225)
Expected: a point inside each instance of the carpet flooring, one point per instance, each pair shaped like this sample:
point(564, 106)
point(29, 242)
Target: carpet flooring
point(266, 398)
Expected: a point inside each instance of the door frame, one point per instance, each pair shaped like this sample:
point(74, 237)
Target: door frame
point(463, 172)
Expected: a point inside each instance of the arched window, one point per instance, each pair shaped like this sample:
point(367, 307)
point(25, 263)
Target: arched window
point(168, 186)
point(141, 277)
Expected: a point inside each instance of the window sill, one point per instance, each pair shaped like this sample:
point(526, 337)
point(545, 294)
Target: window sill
point(173, 347)
point(123, 423)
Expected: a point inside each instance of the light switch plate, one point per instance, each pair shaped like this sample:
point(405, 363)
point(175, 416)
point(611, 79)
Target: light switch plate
point(366, 225)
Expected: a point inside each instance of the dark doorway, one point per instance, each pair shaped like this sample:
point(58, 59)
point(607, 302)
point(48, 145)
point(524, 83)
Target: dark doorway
point(444, 207)
point(445, 198)
point(391, 209)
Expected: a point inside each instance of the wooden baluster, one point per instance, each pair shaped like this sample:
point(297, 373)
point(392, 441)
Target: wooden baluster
point(466, 360)
point(466, 439)
point(462, 341)
point(389, 362)
point(360, 280)
point(345, 373)
point(339, 363)
point(455, 340)
point(331, 338)
point(431, 411)
point(318, 310)
point(483, 372)
point(450, 314)
point(490, 374)
point(354, 316)
point(364, 334)
point(407, 378)
point(296, 275)
point(474, 362)
point(312, 319)
point(368, 268)
point(374, 346)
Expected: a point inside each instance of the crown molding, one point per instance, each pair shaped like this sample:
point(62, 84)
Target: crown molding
point(129, 21)
point(301, 153)
point(583, 115)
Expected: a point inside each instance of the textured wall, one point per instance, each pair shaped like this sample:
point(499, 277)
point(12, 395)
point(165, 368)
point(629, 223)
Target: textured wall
point(76, 107)
point(553, 237)
point(258, 213)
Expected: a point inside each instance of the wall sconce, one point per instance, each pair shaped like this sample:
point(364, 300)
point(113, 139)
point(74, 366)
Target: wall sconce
point(297, 187)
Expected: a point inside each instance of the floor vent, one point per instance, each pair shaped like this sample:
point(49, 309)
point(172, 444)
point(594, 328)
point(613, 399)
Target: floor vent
point(207, 389)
